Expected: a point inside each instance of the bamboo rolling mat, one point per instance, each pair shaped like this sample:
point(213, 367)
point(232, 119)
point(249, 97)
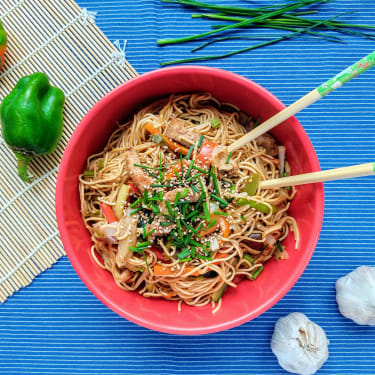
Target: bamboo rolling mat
point(61, 40)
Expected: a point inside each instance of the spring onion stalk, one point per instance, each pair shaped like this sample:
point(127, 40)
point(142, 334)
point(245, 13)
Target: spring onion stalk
point(284, 17)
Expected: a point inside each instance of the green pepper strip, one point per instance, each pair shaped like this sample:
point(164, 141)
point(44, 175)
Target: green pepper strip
point(253, 204)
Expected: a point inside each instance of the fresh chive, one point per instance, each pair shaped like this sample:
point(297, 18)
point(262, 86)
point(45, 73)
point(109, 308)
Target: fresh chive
point(193, 177)
point(257, 272)
point(176, 199)
point(194, 188)
point(132, 248)
point(151, 174)
point(145, 258)
point(195, 243)
point(221, 213)
point(147, 167)
point(181, 164)
point(142, 244)
point(191, 149)
point(183, 254)
point(191, 165)
point(88, 173)
point(215, 123)
point(201, 184)
point(135, 211)
point(206, 212)
point(212, 223)
point(185, 193)
point(155, 209)
point(222, 201)
point(178, 222)
point(200, 170)
point(170, 218)
point(145, 196)
point(169, 207)
point(248, 258)
point(134, 204)
point(165, 223)
point(228, 158)
point(185, 260)
point(161, 185)
point(193, 251)
point(192, 214)
point(216, 184)
point(203, 257)
point(199, 144)
point(144, 232)
point(200, 227)
point(160, 160)
point(232, 188)
point(177, 175)
point(150, 232)
point(281, 248)
point(243, 218)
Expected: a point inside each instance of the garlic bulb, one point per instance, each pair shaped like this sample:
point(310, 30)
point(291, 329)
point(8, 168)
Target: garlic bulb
point(301, 346)
point(355, 295)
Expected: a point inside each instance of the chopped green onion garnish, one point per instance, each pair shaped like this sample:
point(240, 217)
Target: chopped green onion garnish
point(257, 272)
point(243, 218)
point(190, 152)
point(183, 254)
point(88, 173)
point(161, 185)
point(157, 138)
point(281, 248)
point(191, 215)
point(141, 244)
point(195, 189)
point(165, 223)
point(150, 232)
point(221, 213)
point(193, 177)
point(201, 184)
point(185, 260)
point(206, 212)
point(228, 158)
point(169, 207)
point(134, 204)
point(216, 184)
point(215, 123)
point(212, 223)
point(192, 251)
point(191, 165)
point(203, 257)
point(144, 232)
point(177, 175)
point(200, 141)
point(147, 167)
point(222, 201)
point(200, 170)
point(145, 196)
point(135, 211)
point(232, 188)
point(155, 209)
point(185, 193)
point(176, 199)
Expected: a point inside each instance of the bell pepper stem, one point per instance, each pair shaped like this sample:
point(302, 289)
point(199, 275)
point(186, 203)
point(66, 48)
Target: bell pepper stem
point(22, 163)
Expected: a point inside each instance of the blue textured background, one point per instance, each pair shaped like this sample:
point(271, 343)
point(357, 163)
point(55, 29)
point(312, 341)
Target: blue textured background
point(56, 326)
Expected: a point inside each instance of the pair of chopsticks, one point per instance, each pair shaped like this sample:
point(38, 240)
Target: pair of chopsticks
point(327, 87)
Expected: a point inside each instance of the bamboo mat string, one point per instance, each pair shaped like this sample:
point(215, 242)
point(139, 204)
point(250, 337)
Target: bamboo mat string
point(62, 40)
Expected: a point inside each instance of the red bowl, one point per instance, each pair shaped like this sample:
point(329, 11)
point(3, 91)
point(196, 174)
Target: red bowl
point(250, 298)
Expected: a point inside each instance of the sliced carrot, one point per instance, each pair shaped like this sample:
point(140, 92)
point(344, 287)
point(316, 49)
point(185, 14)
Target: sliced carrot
point(171, 144)
point(221, 222)
point(176, 167)
point(108, 212)
point(169, 295)
point(219, 256)
point(204, 157)
point(160, 270)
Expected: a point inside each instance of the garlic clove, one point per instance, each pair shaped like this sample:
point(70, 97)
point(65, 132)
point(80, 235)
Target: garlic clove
point(301, 346)
point(355, 295)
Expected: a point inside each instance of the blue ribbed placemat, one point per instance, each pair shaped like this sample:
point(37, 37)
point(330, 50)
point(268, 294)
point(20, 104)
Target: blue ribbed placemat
point(56, 326)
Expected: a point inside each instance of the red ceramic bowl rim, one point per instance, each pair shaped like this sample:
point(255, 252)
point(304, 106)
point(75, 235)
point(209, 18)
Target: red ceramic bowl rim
point(64, 232)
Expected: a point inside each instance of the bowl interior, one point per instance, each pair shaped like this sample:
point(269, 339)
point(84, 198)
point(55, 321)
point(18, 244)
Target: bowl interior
point(249, 299)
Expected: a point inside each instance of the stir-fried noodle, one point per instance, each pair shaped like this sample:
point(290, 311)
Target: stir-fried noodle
point(172, 215)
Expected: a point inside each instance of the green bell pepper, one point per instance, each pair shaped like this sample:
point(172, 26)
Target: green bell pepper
point(32, 119)
point(3, 44)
